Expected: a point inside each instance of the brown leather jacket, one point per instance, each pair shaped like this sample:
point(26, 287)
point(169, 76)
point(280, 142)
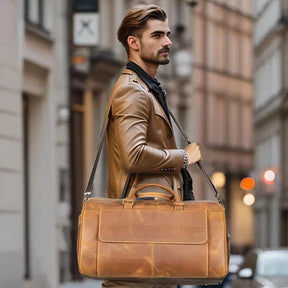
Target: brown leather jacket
point(140, 138)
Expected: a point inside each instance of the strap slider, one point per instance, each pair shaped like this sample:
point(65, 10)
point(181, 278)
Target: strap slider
point(87, 194)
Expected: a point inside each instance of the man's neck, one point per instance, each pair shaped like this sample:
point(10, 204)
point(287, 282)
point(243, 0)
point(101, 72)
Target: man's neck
point(150, 69)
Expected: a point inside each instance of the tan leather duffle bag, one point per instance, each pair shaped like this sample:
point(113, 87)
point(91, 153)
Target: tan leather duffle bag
point(153, 240)
point(159, 241)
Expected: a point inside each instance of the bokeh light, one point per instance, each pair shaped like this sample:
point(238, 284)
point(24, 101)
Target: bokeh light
point(249, 199)
point(269, 176)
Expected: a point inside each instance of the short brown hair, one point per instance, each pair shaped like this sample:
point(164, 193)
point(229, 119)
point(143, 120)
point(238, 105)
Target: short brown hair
point(136, 19)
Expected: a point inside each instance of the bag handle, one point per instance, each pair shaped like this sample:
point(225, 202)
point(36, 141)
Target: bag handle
point(175, 195)
point(89, 188)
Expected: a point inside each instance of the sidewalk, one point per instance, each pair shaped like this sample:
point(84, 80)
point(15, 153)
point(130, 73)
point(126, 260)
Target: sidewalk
point(90, 283)
point(86, 283)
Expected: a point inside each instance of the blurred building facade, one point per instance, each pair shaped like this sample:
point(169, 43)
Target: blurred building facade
point(34, 143)
point(222, 102)
point(270, 121)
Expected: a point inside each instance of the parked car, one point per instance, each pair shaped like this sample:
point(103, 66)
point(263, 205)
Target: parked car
point(234, 264)
point(263, 268)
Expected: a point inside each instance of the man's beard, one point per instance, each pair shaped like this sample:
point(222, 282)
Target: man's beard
point(157, 59)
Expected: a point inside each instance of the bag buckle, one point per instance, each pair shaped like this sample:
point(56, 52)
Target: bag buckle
point(87, 195)
point(178, 205)
point(127, 203)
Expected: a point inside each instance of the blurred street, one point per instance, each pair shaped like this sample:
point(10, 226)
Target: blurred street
point(87, 283)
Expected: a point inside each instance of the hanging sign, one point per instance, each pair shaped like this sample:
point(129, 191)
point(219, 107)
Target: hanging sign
point(85, 5)
point(86, 29)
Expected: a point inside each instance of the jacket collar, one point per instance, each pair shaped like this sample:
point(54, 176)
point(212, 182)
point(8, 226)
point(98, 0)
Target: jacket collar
point(153, 85)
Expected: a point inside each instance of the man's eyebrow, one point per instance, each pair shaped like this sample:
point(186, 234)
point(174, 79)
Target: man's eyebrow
point(161, 32)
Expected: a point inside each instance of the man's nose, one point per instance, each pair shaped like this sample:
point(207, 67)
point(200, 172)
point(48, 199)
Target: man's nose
point(167, 42)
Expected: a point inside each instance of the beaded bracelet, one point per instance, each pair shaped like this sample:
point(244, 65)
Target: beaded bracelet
point(185, 159)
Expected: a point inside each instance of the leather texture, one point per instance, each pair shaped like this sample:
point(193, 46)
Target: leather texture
point(140, 138)
point(165, 241)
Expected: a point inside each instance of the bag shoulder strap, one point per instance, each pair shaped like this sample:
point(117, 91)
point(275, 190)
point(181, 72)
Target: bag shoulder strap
point(205, 174)
point(89, 187)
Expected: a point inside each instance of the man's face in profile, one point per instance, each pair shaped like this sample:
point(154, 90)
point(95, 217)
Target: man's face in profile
point(155, 43)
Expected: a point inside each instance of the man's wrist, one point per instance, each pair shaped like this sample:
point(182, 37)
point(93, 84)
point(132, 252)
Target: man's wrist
point(185, 159)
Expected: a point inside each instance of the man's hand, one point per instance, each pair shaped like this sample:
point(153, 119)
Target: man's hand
point(193, 153)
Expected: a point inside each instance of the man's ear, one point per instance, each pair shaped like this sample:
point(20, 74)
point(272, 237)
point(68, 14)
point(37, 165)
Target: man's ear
point(133, 43)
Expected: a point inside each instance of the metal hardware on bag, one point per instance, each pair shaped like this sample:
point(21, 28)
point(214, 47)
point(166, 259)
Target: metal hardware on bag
point(178, 205)
point(87, 194)
point(127, 203)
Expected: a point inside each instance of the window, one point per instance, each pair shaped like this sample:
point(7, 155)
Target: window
point(234, 123)
point(38, 13)
point(268, 151)
point(233, 53)
point(268, 80)
point(220, 47)
point(64, 185)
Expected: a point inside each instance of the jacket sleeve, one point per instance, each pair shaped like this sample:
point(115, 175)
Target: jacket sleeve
point(131, 113)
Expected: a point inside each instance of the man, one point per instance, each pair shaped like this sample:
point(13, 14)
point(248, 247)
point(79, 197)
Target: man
point(140, 137)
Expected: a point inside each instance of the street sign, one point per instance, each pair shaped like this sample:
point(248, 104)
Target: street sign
point(86, 29)
point(85, 6)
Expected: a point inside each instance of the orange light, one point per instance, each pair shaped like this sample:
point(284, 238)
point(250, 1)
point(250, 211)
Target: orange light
point(247, 183)
point(78, 59)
